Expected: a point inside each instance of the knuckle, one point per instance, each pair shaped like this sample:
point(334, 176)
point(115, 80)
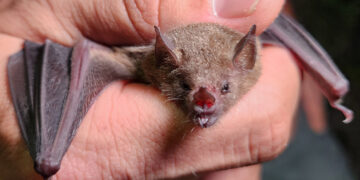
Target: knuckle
point(143, 15)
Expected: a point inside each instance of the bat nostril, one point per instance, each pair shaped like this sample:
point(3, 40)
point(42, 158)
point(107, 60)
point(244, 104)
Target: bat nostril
point(202, 103)
point(204, 99)
point(209, 104)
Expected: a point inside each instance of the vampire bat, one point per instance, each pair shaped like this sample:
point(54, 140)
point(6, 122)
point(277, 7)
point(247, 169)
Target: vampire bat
point(203, 68)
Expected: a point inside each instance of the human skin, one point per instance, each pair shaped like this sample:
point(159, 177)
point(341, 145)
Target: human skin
point(131, 131)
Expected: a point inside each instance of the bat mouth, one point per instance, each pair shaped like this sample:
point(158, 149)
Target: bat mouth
point(204, 116)
point(205, 119)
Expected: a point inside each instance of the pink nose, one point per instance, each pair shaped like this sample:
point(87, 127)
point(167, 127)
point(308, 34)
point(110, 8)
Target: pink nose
point(203, 103)
point(203, 98)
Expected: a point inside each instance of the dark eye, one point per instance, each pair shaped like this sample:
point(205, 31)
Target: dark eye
point(225, 88)
point(185, 86)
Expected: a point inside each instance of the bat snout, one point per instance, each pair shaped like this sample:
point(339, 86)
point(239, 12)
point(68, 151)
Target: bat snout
point(203, 100)
point(204, 106)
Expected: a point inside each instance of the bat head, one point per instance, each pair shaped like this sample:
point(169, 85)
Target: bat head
point(205, 68)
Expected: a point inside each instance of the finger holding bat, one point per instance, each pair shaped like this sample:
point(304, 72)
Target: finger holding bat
point(143, 122)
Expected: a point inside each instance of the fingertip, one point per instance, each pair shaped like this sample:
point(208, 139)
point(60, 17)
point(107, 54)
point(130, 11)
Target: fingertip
point(262, 13)
point(236, 14)
point(313, 104)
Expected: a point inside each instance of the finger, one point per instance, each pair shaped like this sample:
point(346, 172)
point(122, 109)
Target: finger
point(9, 45)
point(132, 131)
point(313, 103)
point(252, 172)
point(128, 21)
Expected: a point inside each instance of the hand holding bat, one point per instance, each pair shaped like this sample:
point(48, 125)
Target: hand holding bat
point(198, 140)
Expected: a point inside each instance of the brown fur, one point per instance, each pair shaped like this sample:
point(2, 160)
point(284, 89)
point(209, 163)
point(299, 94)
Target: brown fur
point(204, 58)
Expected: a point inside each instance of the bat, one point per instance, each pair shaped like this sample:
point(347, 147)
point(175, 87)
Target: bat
point(203, 68)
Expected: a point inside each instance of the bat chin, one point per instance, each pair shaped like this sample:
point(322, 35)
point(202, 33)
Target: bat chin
point(205, 120)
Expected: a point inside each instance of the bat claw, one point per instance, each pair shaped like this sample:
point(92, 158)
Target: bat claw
point(349, 115)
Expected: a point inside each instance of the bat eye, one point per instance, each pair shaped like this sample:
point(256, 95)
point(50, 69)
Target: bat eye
point(185, 86)
point(225, 88)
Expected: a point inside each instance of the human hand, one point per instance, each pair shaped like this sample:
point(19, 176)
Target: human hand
point(130, 130)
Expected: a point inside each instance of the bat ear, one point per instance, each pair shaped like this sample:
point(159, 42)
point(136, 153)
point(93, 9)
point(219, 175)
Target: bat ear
point(246, 50)
point(164, 47)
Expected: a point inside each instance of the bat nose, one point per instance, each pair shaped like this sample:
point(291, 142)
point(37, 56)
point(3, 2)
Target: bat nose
point(203, 98)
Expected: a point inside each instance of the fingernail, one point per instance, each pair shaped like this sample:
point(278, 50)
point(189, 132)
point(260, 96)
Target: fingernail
point(233, 8)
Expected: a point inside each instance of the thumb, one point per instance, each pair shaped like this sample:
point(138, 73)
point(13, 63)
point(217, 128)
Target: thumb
point(127, 21)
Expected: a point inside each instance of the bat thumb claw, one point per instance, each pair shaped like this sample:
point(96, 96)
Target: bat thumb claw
point(349, 115)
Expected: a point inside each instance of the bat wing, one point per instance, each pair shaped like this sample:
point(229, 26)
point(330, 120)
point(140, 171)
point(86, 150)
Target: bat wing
point(312, 57)
point(53, 87)
point(27, 72)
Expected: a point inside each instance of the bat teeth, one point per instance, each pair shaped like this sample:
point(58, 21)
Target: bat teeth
point(205, 120)
point(46, 168)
